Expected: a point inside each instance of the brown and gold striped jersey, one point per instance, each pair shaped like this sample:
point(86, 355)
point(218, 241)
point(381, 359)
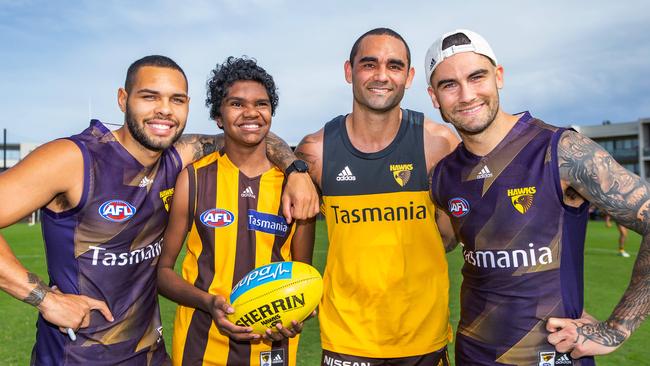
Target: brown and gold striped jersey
point(235, 225)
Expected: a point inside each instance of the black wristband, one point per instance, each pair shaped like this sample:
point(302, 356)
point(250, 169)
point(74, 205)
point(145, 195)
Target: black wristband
point(298, 165)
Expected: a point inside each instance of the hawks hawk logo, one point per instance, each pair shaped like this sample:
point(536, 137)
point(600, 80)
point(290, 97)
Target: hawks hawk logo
point(401, 173)
point(166, 197)
point(265, 358)
point(522, 198)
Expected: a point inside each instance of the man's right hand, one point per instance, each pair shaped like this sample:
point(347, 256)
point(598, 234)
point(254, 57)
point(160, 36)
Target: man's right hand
point(218, 309)
point(71, 311)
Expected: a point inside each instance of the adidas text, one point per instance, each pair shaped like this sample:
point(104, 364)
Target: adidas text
point(345, 175)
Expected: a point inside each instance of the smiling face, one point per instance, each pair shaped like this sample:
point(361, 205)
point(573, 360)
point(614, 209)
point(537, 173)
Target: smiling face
point(465, 87)
point(245, 113)
point(156, 107)
point(379, 73)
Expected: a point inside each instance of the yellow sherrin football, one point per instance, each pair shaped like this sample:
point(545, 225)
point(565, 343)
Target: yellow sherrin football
point(279, 292)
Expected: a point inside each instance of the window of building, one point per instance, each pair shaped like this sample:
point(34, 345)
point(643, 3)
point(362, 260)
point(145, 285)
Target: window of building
point(626, 144)
point(607, 145)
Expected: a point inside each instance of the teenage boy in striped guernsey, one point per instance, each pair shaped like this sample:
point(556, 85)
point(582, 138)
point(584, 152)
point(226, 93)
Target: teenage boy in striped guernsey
point(517, 191)
point(227, 201)
point(104, 196)
point(386, 284)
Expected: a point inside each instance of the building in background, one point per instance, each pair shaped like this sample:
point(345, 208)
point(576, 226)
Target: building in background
point(627, 142)
point(14, 153)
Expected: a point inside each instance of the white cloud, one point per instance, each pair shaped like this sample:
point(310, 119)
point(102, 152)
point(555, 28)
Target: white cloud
point(564, 60)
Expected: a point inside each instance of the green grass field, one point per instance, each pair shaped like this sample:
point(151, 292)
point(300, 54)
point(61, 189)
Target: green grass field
point(606, 276)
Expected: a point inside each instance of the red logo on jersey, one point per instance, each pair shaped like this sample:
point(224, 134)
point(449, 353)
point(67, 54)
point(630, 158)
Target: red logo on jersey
point(116, 210)
point(458, 207)
point(217, 217)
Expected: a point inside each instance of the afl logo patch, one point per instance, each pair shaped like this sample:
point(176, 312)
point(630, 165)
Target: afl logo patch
point(116, 210)
point(217, 217)
point(458, 207)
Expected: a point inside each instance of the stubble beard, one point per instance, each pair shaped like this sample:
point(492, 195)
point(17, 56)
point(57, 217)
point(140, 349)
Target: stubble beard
point(464, 129)
point(141, 137)
point(388, 105)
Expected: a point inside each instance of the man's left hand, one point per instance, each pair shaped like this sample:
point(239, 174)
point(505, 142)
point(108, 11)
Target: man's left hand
point(584, 336)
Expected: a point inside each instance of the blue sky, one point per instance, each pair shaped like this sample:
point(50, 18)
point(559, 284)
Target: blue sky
point(568, 62)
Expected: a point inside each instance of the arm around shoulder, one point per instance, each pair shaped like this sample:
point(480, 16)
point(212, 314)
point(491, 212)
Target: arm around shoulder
point(300, 198)
point(192, 147)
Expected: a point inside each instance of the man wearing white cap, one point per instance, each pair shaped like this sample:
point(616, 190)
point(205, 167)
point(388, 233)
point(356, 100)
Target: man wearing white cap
point(517, 190)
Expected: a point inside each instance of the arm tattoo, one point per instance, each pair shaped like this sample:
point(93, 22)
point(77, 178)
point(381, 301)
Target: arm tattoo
point(601, 334)
point(36, 296)
point(200, 145)
point(596, 176)
point(279, 151)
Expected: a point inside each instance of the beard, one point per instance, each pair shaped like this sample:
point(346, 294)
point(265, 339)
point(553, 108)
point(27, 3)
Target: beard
point(378, 104)
point(477, 127)
point(149, 143)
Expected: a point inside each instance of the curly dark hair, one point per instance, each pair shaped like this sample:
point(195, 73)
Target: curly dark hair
point(235, 69)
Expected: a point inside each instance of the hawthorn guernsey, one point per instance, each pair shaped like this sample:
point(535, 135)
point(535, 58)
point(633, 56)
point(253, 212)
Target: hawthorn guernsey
point(385, 253)
point(276, 293)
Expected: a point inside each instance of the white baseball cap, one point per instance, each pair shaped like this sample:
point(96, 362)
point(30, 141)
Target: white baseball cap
point(472, 42)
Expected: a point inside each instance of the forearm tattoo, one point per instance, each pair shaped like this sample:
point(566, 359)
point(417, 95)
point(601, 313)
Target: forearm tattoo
point(601, 334)
point(596, 176)
point(36, 296)
point(279, 152)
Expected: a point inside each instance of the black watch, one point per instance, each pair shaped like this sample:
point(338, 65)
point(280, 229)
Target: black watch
point(297, 166)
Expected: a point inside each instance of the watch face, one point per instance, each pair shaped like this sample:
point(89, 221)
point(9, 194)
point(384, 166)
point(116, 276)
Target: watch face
point(300, 165)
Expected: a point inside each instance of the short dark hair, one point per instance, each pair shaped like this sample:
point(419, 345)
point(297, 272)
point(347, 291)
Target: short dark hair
point(234, 69)
point(152, 60)
point(379, 32)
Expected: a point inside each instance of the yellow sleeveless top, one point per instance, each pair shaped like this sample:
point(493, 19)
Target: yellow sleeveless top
point(386, 281)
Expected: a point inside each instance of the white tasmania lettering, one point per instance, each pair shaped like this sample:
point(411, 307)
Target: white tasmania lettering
point(509, 258)
point(103, 257)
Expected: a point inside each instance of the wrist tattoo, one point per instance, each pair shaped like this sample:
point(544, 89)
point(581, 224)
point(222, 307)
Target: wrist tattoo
point(37, 295)
point(601, 334)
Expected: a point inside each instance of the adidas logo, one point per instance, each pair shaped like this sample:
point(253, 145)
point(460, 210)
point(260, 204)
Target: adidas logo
point(248, 192)
point(345, 175)
point(278, 357)
point(563, 360)
point(145, 182)
point(484, 173)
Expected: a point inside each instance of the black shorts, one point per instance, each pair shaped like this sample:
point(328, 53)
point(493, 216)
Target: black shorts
point(437, 358)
